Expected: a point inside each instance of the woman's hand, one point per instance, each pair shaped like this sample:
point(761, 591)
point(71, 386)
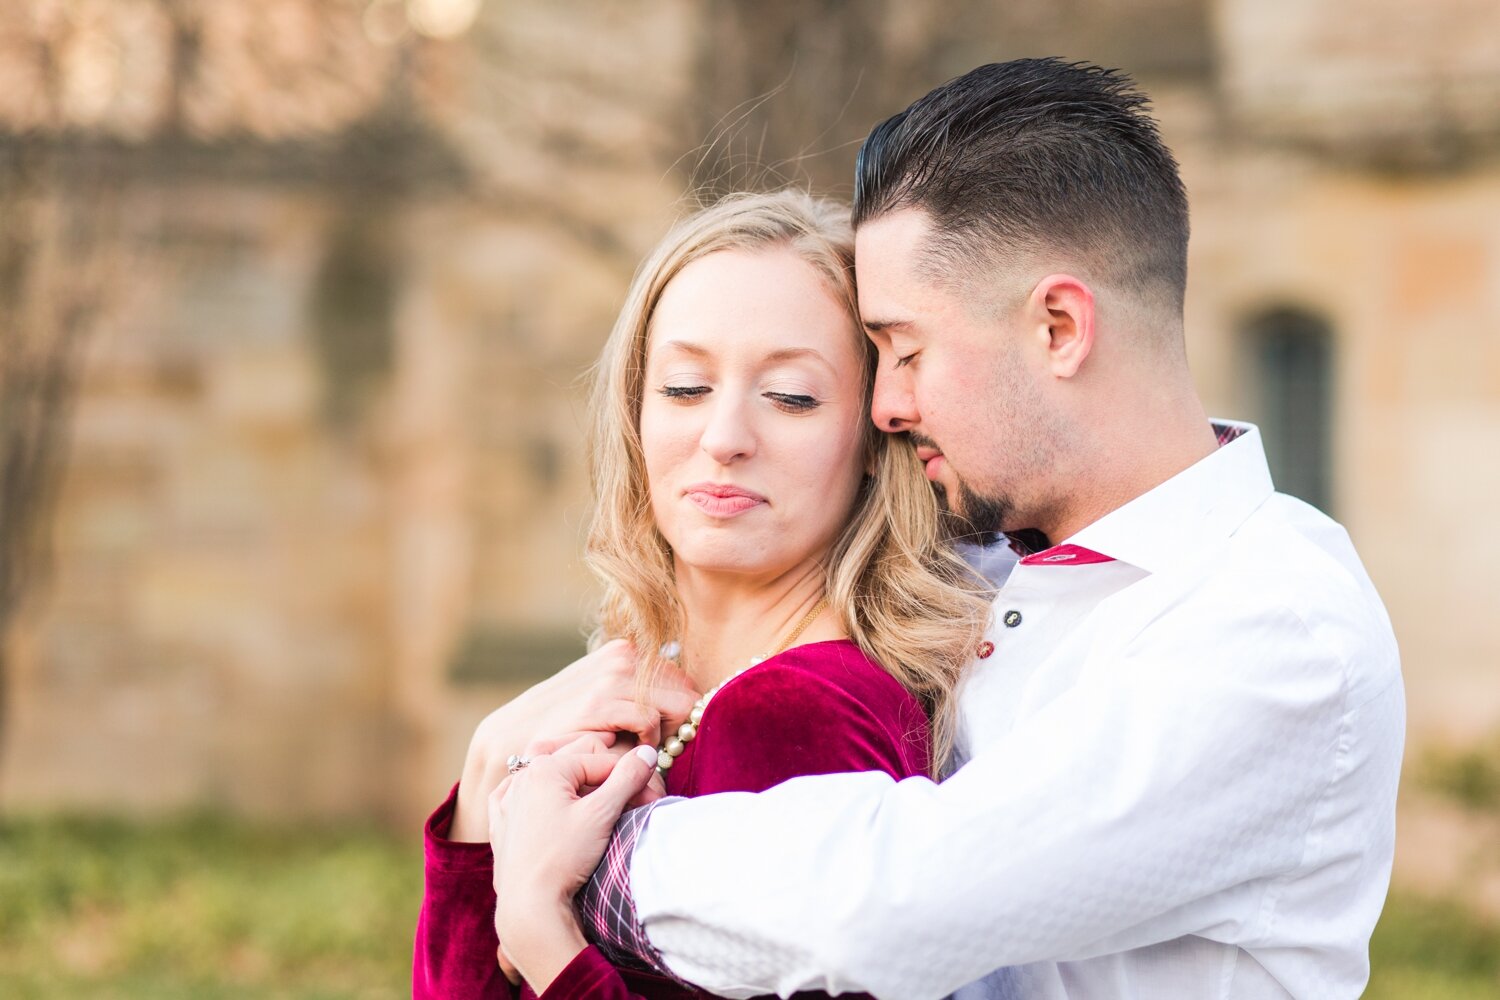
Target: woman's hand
point(551, 822)
point(594, 695)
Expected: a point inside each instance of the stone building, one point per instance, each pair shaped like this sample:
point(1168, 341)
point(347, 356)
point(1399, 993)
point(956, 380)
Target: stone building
point(324, 492)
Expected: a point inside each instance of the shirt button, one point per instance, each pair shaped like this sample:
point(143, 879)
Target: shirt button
point(1012, 619)
point(985, 649)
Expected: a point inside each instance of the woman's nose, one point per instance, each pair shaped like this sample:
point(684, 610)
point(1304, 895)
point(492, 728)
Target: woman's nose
point(728, 436)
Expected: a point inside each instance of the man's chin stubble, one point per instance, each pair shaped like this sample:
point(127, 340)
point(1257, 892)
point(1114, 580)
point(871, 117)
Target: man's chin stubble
point(976, 517)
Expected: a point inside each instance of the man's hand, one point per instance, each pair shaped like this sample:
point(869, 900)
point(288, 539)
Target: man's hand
point(594, 695)
point(548, 833)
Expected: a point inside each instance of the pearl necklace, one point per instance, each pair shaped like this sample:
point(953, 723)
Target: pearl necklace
point(673, 747)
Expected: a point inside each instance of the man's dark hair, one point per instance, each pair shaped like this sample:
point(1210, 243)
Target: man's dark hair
point(1035, 156)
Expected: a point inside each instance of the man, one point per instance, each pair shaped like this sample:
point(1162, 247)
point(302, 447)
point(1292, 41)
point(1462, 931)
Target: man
point(1180, 754)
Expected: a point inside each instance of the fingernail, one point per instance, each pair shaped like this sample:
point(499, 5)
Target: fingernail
point(646, 753)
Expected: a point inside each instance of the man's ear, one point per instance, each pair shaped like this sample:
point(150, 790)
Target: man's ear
point(1065, 305)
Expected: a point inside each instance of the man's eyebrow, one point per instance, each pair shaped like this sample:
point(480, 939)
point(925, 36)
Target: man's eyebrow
point(881, 325)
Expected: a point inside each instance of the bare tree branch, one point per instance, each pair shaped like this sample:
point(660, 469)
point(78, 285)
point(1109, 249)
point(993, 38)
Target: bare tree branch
point(52, 287)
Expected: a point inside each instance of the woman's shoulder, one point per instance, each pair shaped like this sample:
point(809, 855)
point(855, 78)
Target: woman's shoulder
point(837, 668)
point(814, 709)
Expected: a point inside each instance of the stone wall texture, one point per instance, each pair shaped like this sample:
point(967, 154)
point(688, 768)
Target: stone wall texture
point(324, 496)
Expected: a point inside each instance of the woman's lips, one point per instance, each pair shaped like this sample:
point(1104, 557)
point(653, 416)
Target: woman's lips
point(718, 500)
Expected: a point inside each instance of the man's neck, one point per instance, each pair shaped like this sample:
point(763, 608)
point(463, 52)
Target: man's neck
point(1130, 461)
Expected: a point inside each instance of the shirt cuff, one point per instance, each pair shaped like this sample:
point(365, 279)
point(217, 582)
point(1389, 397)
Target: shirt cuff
point(605, 906)
point(444, 855)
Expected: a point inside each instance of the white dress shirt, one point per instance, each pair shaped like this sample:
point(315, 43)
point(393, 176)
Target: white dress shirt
point(1178, 780)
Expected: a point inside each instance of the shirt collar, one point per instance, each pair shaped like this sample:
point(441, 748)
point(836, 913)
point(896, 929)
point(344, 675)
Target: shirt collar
point(1200, 506)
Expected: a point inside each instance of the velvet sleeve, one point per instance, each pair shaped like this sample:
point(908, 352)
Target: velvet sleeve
point(455, 951)
point(455, 954)
point(588, 977)
point(783, 720)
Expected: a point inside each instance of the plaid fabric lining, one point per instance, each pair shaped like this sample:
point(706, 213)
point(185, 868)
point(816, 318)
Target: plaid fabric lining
point(1226, 433)
point(605, 906)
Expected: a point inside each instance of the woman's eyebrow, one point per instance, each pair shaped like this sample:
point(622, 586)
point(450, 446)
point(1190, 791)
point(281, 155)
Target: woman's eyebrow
point(794, 353)
point(772, 358)
point(686, 347)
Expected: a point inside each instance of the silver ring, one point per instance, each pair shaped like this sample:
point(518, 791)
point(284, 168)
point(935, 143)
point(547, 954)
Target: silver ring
point(516, 762)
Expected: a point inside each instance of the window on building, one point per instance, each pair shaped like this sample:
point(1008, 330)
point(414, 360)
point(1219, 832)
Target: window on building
point(1291, 354)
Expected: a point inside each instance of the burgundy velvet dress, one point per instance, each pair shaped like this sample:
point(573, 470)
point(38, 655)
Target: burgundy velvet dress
point(814, 709)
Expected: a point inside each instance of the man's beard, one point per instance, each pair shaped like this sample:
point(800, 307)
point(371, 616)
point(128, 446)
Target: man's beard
point(975, 516)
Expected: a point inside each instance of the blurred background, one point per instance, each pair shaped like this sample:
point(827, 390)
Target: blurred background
point(295, 296)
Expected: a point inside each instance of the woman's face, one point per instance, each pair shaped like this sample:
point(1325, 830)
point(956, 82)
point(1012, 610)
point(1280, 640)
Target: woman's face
point(753, 414)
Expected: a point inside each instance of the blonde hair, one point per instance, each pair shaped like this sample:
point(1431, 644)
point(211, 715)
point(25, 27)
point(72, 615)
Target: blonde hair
point(908, 601)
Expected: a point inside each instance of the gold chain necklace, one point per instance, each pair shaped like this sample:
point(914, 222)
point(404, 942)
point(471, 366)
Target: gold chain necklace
point(669, 751)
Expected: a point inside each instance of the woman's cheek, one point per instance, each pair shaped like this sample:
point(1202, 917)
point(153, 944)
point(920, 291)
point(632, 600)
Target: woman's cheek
point(665, 442)
point(831, 473)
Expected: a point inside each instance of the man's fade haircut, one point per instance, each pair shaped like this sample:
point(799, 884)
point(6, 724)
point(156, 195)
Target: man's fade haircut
point(1036, 158)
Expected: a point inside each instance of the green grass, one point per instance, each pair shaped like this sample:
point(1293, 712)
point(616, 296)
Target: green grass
point(208, 909)
point(203, 908)
point(1431, 949)
point(1468, 776)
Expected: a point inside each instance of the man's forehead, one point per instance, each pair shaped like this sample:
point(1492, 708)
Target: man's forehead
point(892, 242)
point(906, 280)
point(894, 287)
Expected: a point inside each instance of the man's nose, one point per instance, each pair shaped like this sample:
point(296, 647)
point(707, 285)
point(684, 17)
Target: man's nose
point(728, 436)
point(892, 407)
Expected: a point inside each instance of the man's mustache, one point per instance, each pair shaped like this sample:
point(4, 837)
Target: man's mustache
point(922, 441)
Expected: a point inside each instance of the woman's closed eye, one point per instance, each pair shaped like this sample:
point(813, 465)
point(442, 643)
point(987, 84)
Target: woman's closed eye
point(793, 402)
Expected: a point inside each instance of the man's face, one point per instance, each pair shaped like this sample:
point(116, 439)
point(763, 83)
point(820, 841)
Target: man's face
point(962, 373)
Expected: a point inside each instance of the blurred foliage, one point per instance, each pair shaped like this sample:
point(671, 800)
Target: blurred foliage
point(203, 907)
point(1470, 776)
point(491, 654)
point(1430, 948)
point(353, 305)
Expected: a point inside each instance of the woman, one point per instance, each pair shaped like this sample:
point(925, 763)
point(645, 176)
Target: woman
point(748, 513)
